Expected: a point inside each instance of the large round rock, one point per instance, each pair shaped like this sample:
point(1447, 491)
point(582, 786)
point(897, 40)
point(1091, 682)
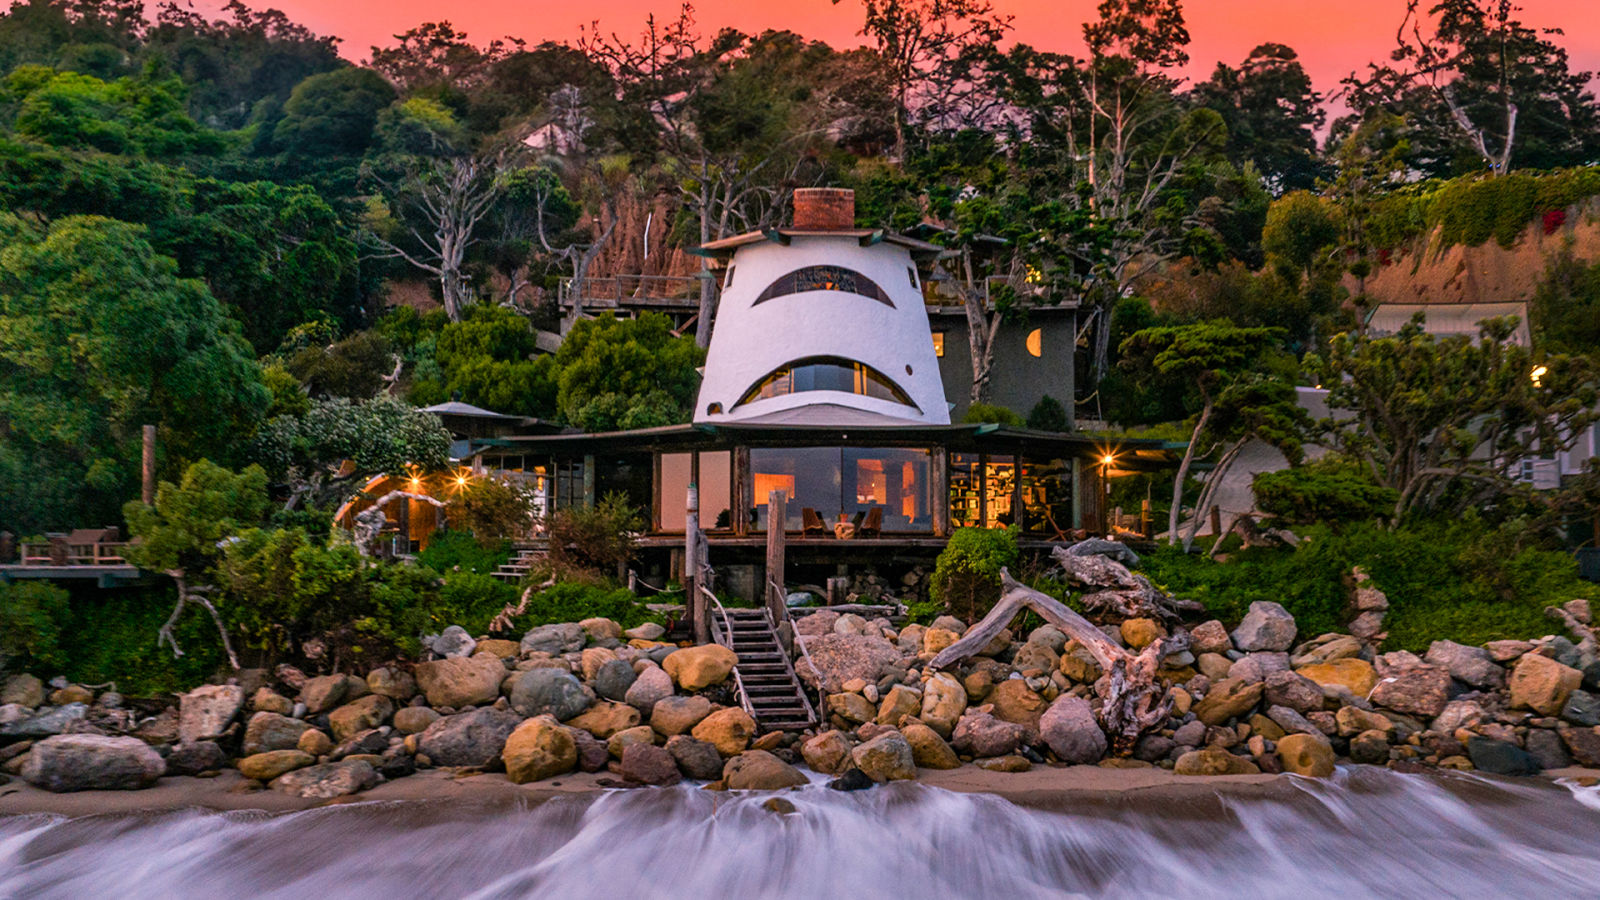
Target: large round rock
point(549, 692)
point(475, 738)
point(1070, 730)
point(92, 762)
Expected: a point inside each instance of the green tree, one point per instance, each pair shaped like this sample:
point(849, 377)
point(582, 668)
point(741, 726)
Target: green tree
point(1301, 232)
point(1446, 422)
point(98, 337)
point(1272, 114)
point(626, 373)
point(183, 534)
point(1565, 312)
point(135, 116)
point(332, 113)
point(1211, 356)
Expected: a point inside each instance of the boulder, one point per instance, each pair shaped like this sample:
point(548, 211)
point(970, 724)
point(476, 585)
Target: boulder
point(601, 629)
point(1507, 651)
point(548, 692)
point(935, 640)
point(414, 719)
point(695, 758)
point(1214, 666)
point(92, 762)
point(205, 712)
point(1228, 698)
point(592, 753)
point(269, 765)
point(372, 742)
point(1471, 665)
point(649, 631)
point(649, 764)
point(1302, 754)
point(563, 637)
point(1214, 762)
point(1500, 757)
point(758, 770)
point(606, 718)
point(622, 740)
point(1210, 637)
point(729, 730)
point(1325, 648)
point(537, 749)
point(1542, 684)
point(887, 757)
point(613, 679)
point(1078, 664)
point(899, 702)
point(838, 658)
point(368, 712)
point(323, 693)
point(1353, 721)
point(1293, 690)
point(828, 752)
point(1292, 722)
point(697, 668)
point(651, 686)
point(1356, 675)
point(1070, 731)
point(268, 700)
point(396, 684)
point(1190, 734)
point(1014, 701)
point(1036, 655)
point(192, 759)
point(678, 715)
point(474, 738)
point(324, 782)
point(1257, 666)
point(592, 658)
point(928, 750)
point(854, 709)
point(1370, 748)
point(981, 734)
point(1542, 744)
point(316, 743)
point(1140, 633)
point(1418, 690)
point(1582, 708)
point(1267, 626)
point(472, 681)
point(452, 643)
point(23, 690)
point(270, 731)
point(1583, 744)
point(943, 702)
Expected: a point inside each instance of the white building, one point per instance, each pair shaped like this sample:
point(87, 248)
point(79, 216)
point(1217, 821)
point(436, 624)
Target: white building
point(822, 324)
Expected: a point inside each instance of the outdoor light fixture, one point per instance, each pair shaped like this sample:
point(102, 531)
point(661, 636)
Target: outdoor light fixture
point(1108, 459)
point(1538, 373)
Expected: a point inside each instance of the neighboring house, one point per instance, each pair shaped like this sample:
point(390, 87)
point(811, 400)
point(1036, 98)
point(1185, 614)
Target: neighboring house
point(1035, 356)
point(1448, 319)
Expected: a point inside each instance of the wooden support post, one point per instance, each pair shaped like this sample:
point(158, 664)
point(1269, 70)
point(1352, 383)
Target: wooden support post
point(693, 566)
point(776, 595)
point(1216, 523)
point(147, 490)
point(940, 478)
point(1144, 519)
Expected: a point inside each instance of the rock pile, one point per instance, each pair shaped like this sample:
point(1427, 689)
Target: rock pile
point(585, 696)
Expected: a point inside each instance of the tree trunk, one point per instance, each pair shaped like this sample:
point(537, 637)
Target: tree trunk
point(1208, 495)
point(1131, 701)
point(1183, 472)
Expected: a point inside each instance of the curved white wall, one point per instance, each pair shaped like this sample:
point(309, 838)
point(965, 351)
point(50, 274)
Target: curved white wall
point(750, 341)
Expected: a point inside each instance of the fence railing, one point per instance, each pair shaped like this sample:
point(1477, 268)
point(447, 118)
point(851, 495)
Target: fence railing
point(637, 288)
point(58, 552)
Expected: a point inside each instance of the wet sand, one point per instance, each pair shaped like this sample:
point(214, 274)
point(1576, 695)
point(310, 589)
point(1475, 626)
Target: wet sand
point(1043, 787)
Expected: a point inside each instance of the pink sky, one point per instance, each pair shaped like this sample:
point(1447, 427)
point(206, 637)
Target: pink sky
point(1331, 37)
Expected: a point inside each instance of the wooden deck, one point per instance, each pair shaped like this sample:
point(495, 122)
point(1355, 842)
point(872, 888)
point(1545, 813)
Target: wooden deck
point(106, 576)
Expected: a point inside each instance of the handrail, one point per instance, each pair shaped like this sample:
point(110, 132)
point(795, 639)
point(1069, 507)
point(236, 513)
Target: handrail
point(794, 630)
point(738, 682)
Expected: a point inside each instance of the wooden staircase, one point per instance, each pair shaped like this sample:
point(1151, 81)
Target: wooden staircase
point(769, 689)
point(516, 568)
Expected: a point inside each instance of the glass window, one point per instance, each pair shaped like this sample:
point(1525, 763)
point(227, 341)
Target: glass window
point(966, 484)
point(999, 490)
point(892, 480)
point(673, 490)
point(826, 373)
point(938, 344)
point(1047, 497)
point(810, 476)
point(727, 281)
point(1036, 342)
point(825, 278)
point(569, 483)
point(716, 490)
point(626, 475)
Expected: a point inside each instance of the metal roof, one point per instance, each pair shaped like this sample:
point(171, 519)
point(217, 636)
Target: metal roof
point(867, 236)
point(1446, 319)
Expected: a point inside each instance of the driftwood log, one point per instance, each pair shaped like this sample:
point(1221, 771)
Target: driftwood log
point(1113, 591)
point(1132, 701)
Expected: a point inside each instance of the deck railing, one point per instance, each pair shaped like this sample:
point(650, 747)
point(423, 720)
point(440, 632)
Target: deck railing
point(640, 289)
point(61, 553)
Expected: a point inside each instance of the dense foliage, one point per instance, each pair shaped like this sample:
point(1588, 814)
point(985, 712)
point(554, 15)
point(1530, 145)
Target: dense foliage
point(966, 578)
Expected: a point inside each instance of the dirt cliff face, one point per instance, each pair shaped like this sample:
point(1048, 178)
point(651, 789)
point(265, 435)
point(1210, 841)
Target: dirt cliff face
point(1488, 273)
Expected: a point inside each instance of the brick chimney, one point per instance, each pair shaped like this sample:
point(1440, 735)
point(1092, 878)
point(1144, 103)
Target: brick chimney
point(824, 209)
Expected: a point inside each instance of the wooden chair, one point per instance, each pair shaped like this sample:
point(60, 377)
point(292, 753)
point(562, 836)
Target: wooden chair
point(810, 522)
point(872, 524)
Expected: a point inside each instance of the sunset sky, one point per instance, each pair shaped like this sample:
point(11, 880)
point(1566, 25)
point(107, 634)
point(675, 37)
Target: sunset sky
point(1331, 37)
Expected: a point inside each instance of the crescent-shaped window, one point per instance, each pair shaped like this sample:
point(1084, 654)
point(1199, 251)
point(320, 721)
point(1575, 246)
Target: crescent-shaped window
point(825, 278)
point(827, 373)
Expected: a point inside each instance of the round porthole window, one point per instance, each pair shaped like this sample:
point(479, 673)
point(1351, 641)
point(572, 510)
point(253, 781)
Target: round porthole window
point(908, 368)
point(714, 409)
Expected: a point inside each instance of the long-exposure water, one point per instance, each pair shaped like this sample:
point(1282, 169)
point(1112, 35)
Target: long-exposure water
point(1362, 833)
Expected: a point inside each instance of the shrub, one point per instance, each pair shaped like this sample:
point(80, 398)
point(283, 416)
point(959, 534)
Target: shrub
point(31, 618)
point(598, 540)
point(1333, 490)
point(108, 636)
point(966, 578)
point(470, 600)
point(990, 414)
point(1048, 415)
point(492, 511)
point(450, 551)
point(574, 602)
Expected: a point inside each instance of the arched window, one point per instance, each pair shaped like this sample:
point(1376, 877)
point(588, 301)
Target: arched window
point(825, 278)
point(827, 373)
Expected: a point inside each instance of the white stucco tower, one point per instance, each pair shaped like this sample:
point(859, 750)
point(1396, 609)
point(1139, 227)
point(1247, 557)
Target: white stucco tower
point(822, 324)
